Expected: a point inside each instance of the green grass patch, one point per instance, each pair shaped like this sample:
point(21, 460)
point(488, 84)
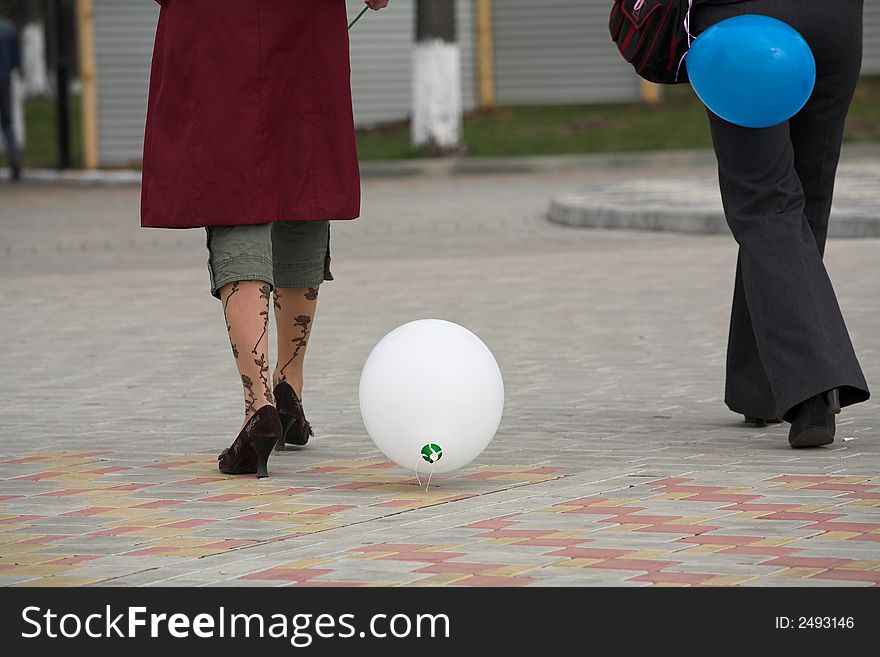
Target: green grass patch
point(679, 122)
point(41, 149)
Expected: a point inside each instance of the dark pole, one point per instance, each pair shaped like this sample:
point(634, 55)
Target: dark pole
point(435, 19)
point(63, 20)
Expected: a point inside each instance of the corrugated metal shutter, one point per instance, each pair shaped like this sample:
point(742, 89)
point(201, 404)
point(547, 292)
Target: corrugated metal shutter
point(558, 51)
point(381, 60)
point(871, 64)
point(124, 32)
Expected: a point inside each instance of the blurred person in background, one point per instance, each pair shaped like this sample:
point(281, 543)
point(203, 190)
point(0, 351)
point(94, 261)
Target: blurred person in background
point(790, 356)
point(10, 60)
point(250, 135)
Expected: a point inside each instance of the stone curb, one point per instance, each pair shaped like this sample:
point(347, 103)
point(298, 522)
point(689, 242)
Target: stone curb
point(692, 204)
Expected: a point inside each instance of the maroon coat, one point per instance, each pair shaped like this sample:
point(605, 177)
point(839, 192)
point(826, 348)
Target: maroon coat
point(250, 117)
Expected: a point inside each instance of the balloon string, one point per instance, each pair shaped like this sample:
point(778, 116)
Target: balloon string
point(687, 29)
point(418, 479)
point(363, 11)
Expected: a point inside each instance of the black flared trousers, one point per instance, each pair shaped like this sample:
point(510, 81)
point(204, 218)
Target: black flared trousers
point(788, 340)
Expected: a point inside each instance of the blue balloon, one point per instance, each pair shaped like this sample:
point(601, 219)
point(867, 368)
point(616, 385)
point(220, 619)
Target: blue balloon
point(754, 71)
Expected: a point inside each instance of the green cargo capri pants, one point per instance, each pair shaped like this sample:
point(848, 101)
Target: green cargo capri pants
point(284, 254)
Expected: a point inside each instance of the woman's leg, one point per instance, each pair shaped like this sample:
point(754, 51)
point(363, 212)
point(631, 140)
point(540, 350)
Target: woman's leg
point(246, 309)
point(240, 265)
point(301, 254)
point(294, 314)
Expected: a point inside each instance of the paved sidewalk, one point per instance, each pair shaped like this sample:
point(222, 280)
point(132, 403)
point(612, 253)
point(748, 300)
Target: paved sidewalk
point(616, 462)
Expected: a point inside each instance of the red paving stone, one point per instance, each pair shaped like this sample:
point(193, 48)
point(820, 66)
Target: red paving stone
point(493, 523)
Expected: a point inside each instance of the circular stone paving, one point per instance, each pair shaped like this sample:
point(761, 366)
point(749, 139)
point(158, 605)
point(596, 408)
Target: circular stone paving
point(692, 204)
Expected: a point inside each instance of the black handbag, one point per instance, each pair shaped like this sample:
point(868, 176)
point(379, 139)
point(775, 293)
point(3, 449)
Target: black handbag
point(653, 36)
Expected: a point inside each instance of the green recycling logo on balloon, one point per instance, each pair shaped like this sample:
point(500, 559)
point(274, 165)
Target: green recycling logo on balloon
point(432, 453)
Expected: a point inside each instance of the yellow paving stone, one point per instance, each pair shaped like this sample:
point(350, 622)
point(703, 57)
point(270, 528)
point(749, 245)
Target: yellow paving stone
point(624, 527)
point(574, 563)
point(503, 541)
point(753, 514)
point(36, 570)
point(676, 495)
point(58, 581)
point(12, 538)
point(773, 541)
point(853, 479)
point(835, 536)
point(690, 521)
point(440, 579)
point(510, 571)
point(371, 556)
point(861, 564)
point(566, 534)
point(812, 508)
point(729, 580)
point(647, 554)
point(799, 573)
point(553, 510)
point(706, 549)
point(669, 585)
point(27, 556)
point(138, 522)
point(869, 503)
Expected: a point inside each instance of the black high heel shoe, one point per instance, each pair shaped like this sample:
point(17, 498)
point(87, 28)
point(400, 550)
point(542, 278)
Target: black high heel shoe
point(296, 430)
point(761, 422)
point(249, 453)
point(814, 425)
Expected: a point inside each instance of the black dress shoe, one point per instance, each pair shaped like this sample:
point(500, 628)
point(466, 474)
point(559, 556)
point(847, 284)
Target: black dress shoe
point(249, 453)
point(296, 429)
point(761, 422)
point(814, 425)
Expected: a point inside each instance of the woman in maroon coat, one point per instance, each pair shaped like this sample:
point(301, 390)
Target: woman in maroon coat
point(250, 135)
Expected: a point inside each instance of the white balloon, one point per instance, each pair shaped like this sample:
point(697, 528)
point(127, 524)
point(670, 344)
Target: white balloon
point(431, 396)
